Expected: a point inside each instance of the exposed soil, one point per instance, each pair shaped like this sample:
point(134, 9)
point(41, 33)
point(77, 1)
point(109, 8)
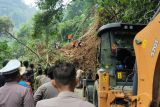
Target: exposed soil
point(86, 54)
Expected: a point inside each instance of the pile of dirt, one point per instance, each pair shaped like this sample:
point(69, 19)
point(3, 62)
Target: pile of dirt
point(86, 54)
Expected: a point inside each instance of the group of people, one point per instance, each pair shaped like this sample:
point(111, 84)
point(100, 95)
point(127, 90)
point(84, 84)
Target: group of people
point(54, 89)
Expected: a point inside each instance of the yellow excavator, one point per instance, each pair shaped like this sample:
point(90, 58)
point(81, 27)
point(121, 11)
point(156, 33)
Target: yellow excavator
point(131, 77)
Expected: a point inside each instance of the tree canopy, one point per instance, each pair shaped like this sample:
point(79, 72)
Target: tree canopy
point(127, 11)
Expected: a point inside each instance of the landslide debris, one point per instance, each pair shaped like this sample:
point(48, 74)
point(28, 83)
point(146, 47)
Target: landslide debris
point(86, 54)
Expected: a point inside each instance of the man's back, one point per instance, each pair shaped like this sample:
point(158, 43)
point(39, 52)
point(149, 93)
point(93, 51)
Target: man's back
point(14, 95)
point(45, 91)
point(64, 99)
point(41, 79)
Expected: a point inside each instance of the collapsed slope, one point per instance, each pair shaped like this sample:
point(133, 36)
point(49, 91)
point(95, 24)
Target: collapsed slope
point(86, 54)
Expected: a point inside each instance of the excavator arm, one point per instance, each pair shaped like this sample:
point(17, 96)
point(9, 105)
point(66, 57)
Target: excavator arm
point(147, 51)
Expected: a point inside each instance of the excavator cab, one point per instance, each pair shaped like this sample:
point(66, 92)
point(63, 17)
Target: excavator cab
point(116, 53)
point(117, 57)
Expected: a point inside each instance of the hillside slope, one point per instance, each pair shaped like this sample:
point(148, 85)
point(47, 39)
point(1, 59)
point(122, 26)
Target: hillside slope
point(86, 54)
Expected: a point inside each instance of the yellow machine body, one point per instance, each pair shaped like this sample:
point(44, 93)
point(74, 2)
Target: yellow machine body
point(147, 52)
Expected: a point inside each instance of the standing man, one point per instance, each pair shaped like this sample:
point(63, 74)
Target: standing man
point(69, 37)
point(65, 82)
point(46, 90)
point(26, 64)
point(79, 73)
point(30, 75)
point(41, 78)
point(12, 94)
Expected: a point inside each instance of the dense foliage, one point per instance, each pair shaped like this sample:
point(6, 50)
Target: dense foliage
point(56, 20)
point(5, 51)
point(128, 11)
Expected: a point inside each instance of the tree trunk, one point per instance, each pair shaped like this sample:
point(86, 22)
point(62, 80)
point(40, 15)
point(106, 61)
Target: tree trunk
point(23, 44)
point(46, 42)
point(47, 37)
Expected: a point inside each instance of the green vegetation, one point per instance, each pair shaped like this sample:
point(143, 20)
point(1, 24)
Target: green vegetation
point(17, 11)
point(5, 51)
point(54, 21)
point(129, 11)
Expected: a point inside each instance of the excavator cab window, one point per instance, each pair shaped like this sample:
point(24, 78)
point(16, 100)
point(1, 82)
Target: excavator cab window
point(123, 53)
point(117, 55)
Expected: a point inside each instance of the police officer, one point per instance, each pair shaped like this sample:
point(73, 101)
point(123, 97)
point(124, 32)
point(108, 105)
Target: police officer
point(46, 90)
point(65, 82)
point(41, 78)
point(12, 94)
point(2, 79)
